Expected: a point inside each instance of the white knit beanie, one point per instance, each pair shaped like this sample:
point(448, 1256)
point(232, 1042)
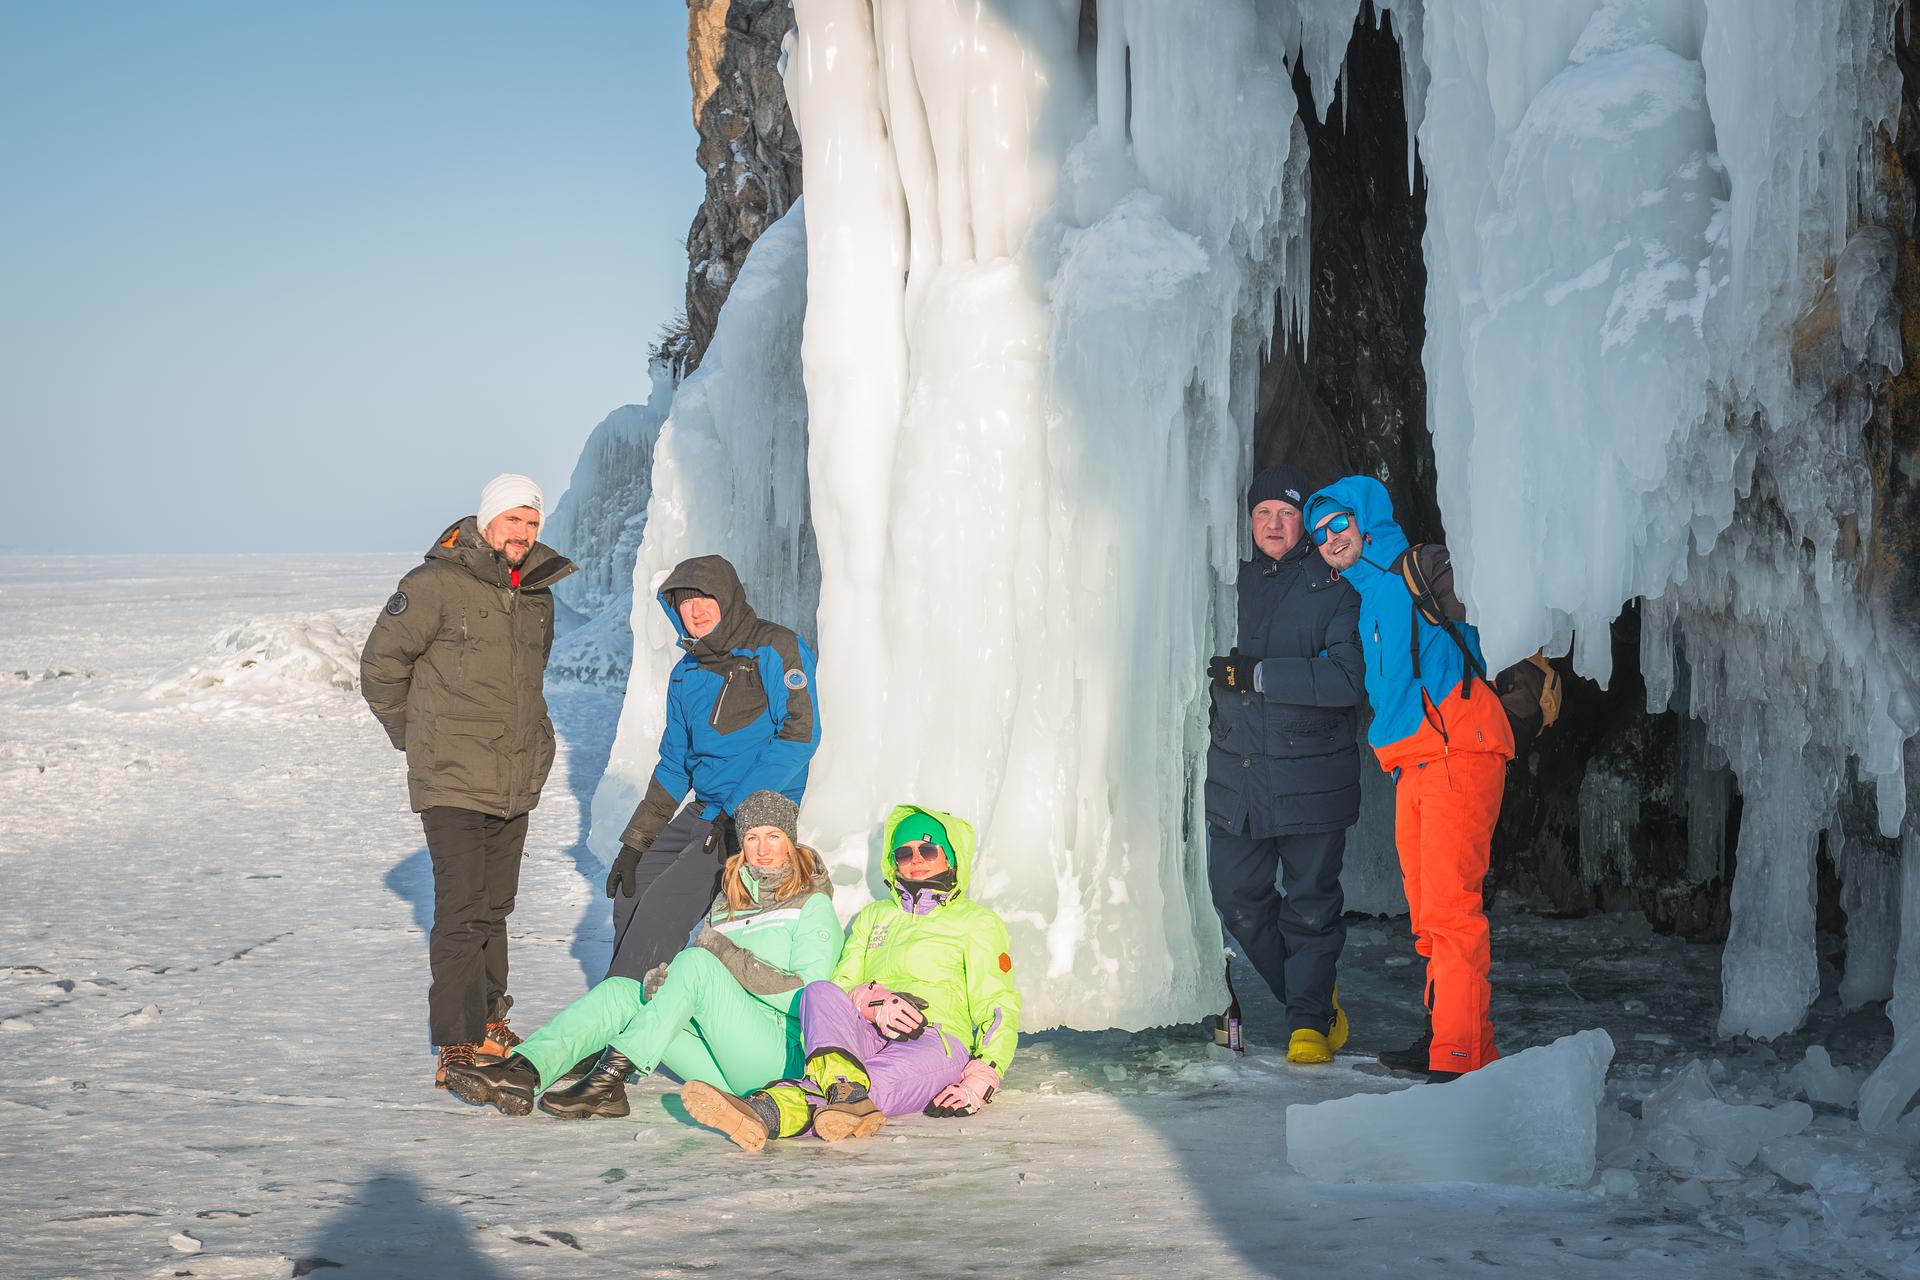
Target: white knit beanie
point(504, 493)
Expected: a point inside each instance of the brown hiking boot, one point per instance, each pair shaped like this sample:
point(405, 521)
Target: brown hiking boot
point(749, 1126)
point(847, 1113)
point(453, 1055)
point(500, 1040)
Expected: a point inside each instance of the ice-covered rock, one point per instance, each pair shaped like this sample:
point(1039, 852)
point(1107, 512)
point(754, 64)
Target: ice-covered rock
point(274, 656)
point(729, 477)
point(1645, 271)
point(1527, 1120)
point(1688, 1127)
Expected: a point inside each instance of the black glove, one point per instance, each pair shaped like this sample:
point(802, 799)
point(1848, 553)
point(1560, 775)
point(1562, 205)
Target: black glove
point(1234, 672)
point(620, 879)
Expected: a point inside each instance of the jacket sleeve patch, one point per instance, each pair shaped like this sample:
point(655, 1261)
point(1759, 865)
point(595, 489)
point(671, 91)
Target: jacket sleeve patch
point(796, 679)
point(397, 603)
point(1006, 963)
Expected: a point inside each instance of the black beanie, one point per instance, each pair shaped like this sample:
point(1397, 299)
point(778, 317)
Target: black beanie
point(1285, 482)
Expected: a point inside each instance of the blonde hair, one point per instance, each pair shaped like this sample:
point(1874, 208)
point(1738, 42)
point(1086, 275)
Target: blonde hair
point(801, 860)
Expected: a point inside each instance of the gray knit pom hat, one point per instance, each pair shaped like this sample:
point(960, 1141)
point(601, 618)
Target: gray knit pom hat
point(768, 809)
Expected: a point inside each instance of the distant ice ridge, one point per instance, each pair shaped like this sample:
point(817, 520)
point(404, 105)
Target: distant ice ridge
point(1647, 273)
point(1528, 1120)
point(272, 660)
point(599, 521)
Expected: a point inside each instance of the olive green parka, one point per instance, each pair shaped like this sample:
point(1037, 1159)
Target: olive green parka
point(455, 669)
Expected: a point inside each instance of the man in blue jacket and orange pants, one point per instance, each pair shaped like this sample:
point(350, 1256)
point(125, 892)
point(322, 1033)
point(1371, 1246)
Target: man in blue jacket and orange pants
point(1442, 733)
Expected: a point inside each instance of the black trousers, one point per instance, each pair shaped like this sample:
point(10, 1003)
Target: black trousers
point(476, 873)
point(672, 888)
point(1292, 936)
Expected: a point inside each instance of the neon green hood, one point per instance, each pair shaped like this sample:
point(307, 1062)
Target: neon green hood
point(959, 830)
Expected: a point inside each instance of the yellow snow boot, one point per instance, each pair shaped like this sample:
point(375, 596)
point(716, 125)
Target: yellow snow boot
point(1308, 1047)
point(1338, 1032)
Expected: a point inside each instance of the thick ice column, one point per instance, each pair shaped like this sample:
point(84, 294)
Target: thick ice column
point(1031, 402)
point(1769, 971)
point(1893, 1084)
point(855, 357)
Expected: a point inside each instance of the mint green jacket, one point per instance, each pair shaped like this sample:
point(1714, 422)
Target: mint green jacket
point(800, 936)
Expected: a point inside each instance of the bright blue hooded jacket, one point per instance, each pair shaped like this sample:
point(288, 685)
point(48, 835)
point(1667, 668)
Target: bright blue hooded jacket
point(740, 708)
point(1403, 705)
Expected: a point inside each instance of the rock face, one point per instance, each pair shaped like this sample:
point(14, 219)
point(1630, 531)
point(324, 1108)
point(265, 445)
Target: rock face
point(749, 150)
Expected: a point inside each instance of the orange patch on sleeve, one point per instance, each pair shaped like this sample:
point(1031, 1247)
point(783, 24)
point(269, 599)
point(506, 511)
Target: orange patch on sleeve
point(1006, 963)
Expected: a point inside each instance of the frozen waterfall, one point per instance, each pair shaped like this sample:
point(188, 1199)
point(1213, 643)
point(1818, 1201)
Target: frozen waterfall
point(1040, 264)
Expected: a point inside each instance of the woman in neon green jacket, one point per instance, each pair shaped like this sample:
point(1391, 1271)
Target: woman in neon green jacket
point(921, 1014)
point(722, 1011)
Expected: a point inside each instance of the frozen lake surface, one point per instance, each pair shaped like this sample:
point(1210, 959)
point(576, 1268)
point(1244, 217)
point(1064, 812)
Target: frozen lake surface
point(212, 1020)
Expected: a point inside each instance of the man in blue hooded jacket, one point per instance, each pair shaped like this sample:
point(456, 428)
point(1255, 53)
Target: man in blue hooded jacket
point(740, 719)
point(1441, 731)
point(1283, 773)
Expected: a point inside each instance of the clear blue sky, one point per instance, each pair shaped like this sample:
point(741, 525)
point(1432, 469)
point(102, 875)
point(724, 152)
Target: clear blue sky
point(304, 276)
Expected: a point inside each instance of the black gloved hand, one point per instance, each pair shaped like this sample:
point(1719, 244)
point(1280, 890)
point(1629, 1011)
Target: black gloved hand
point(1234, 672)
point(620, 879)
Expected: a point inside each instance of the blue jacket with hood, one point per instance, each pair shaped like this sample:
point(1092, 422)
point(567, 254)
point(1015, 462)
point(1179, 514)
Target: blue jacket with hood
point(1404, 705)
point(740, 708)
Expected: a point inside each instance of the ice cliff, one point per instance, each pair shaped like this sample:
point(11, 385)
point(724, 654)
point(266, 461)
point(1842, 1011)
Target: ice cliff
point(1045, 247)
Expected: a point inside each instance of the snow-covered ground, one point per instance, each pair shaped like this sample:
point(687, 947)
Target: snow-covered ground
point(212, 1025)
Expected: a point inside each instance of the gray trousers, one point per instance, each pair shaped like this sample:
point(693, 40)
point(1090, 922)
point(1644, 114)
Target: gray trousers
point(672, 888)
point(1293, 940)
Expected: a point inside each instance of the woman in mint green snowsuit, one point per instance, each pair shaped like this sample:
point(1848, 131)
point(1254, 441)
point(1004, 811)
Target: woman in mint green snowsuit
point(722, 1010)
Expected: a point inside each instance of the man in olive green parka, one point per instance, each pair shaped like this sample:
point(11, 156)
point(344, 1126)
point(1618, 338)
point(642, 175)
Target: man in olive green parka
point(455, 670)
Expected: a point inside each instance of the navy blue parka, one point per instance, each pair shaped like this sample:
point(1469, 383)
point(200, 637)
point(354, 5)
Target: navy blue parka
point(1283, 759)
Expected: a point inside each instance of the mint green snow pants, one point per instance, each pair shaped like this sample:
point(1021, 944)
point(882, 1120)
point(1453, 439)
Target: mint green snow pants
point(700, 1025)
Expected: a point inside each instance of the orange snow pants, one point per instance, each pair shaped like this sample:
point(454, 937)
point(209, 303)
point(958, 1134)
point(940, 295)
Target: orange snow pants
point(1444, 813)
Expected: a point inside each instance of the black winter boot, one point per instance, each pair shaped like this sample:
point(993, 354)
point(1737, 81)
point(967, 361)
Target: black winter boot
point(508, 1085)
point(601, 1092)
point(573, 1073)
point(1412, 1058)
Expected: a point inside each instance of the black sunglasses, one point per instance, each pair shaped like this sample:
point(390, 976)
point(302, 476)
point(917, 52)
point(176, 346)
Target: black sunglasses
point(1339, 524)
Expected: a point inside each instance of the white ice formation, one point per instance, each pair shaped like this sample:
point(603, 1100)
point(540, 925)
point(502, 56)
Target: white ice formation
point(598, 522)
point(1039, 270)
point(729, 476)
point(272, 658)
point(1689, 1128)
point(1647, 268)
point(1527, 1120)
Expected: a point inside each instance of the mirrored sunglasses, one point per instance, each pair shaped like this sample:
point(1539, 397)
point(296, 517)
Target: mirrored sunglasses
point(1339, 524)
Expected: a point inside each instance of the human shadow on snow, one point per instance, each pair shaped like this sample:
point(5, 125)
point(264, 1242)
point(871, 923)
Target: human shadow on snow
point(393, 1226)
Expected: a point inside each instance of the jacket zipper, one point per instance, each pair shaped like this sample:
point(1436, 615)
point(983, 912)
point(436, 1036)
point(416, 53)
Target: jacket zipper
point(721, 701)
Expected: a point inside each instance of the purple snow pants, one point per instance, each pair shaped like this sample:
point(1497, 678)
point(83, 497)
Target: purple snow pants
point(904, 1075)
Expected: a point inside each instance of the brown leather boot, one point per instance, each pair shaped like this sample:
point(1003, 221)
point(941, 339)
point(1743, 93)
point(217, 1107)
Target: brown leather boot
point(847, 1113)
